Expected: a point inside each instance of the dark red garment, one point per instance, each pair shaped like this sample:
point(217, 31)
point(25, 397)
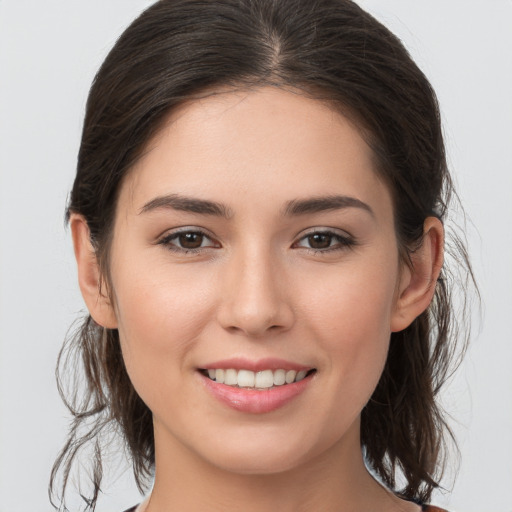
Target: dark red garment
point(424, 508)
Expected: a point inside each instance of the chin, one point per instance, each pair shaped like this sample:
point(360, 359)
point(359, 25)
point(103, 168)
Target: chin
point(263, 453)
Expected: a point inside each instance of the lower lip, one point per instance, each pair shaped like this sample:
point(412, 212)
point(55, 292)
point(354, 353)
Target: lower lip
point(256, 401)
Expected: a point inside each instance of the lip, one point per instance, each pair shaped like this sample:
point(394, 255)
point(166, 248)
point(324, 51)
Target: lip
point(270, 363)
point(251, 400)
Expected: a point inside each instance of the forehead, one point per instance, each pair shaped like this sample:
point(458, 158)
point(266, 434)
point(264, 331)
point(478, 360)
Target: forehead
point(269, 143)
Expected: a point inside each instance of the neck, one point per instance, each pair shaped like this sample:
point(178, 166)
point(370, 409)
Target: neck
point(334, 481)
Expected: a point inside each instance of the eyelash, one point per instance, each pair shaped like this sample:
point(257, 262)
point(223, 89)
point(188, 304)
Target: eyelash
point(167, 240)
point(342, 242)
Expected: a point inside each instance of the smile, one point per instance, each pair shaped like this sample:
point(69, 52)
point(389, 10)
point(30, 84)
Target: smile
point(260, 380)
point(256, 387)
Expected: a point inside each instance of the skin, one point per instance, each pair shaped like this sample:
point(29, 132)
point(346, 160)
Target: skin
point(256, 288)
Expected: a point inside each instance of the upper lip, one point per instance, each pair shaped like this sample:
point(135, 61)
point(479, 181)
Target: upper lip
point(240, 363)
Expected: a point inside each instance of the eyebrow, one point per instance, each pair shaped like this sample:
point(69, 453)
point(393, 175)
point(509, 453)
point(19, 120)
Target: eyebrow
point(324, 203)
point(187, 204)
point(295, 207)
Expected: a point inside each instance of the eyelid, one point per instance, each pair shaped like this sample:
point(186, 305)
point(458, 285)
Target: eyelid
point(324, 230)
point(169, 235)
point(345, 239)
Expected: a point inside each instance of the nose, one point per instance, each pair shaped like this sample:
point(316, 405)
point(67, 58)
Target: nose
point(255, 299)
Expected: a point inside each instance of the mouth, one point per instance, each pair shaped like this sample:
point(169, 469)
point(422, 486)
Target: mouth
point(259, 380)
point(256, 386)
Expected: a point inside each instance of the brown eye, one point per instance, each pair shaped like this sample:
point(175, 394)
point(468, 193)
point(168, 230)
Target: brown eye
point(320, 241)
point(325, 242)
point(190, 240)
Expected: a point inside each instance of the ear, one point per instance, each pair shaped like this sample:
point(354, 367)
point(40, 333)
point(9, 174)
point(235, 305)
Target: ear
point(89, 275)
point(418, 280)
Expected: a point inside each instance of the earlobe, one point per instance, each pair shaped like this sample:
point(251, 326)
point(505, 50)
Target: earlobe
point(89, 275)
point(418, 281)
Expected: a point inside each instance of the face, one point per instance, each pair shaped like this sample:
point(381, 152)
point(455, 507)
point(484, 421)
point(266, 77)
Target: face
point(255, 272)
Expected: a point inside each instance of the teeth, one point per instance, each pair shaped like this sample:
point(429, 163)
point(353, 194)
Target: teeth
point(300, 375)
point(259, 380)
point(279, 377)
point(264, 379)
point(290, 376)
point(219, 376)
point(245, 379)
point(231, 377)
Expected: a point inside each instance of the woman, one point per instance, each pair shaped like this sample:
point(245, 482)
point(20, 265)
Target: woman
point(257, 220)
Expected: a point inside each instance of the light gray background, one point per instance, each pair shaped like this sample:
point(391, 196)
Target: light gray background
point(49, 51)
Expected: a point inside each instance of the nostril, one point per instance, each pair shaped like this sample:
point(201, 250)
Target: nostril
point(255, 305)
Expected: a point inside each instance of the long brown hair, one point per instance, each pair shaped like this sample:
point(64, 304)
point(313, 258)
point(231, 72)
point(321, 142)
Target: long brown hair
point(331, 50)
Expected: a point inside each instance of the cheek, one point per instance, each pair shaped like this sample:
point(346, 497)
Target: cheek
point(161, 314)
point(350, 316)
point(357, 343)
point(153, 296)
point(351, 301)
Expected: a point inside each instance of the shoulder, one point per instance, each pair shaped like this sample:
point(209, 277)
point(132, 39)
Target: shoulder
point(431, 508)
